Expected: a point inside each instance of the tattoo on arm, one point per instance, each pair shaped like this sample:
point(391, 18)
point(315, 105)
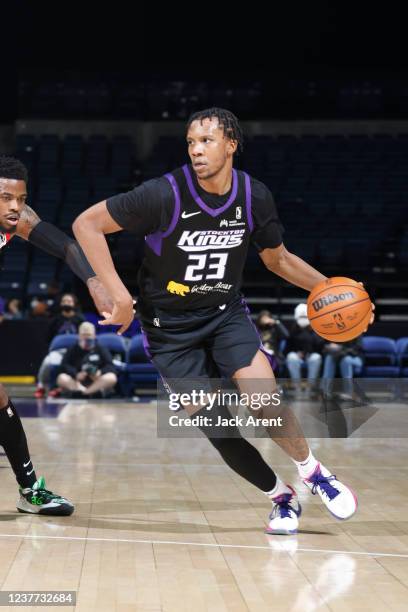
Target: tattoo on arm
point(28, 220)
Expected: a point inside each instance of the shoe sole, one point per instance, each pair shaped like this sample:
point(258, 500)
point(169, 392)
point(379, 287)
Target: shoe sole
point(49, 512)
point(280, 532)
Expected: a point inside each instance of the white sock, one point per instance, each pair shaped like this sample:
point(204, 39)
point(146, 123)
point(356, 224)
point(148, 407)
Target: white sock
point(307, 466)
point(279, 489)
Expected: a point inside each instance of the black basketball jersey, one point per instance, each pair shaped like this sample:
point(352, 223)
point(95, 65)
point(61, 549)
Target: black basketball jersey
point(198, 261)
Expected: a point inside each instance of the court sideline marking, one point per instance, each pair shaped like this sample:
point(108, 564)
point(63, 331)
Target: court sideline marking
point(204, 544)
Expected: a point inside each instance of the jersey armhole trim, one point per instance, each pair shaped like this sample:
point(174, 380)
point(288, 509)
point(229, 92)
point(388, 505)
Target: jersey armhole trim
point(248, 201)
point(177, 205)
point(155, 241)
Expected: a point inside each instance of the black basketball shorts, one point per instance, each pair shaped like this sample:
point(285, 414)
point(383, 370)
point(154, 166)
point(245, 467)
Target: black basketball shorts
point(210, 342)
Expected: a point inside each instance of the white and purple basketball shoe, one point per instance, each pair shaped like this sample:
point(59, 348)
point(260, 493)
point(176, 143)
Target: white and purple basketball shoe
point(339, 499)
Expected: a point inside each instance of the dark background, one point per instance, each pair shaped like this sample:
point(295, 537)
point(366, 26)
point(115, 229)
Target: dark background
point(203, 42)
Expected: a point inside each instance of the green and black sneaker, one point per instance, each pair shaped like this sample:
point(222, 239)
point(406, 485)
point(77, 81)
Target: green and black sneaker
point(40, 501)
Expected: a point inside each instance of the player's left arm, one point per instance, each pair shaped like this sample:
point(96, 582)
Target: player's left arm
point(292, 268)
point(52, 240)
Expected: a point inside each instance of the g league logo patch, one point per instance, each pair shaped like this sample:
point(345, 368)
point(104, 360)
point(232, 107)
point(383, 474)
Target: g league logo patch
point(238, 213)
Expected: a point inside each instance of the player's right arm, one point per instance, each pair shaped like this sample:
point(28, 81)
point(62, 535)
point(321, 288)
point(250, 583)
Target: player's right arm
point(90, 229)
point(142, 211)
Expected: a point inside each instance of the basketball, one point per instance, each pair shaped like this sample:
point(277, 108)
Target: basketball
point(339, 309)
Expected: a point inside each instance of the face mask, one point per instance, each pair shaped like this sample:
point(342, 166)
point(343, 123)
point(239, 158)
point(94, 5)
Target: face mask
point(87, 343)
point(303, 322)
point(67, 308)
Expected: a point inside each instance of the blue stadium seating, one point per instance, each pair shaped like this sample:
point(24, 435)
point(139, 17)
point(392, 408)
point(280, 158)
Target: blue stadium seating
point(380, 357)
point(402, 352)
point(139, 370)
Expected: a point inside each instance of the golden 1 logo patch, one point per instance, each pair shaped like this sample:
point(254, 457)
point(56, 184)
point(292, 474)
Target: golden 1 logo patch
point(178, 288)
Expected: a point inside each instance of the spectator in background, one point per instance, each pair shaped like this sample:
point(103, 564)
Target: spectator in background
point(67, 321)
point(53, 296)
point(68, 318)
point(38, 309)
point(272, 332)
point(87, 369)
point(13, 310)
point(348, 357)
point(303, 348)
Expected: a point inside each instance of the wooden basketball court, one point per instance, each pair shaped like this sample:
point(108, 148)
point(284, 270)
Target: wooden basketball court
point(162, 524)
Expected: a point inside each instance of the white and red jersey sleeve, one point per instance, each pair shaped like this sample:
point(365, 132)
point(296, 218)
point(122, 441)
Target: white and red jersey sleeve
point(4, 239)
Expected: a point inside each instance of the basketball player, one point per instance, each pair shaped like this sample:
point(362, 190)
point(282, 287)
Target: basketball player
point(198, 221)
point(16, 218)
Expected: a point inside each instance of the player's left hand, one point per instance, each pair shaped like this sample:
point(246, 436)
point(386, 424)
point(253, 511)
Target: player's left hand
point(372, 308)
point(100, 296)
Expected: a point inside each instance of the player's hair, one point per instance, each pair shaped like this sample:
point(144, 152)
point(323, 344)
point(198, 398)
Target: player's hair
point(12, 168)
point(227, 120)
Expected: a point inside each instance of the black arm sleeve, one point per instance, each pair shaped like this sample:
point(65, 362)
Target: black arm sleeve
point(268, 229)
point(144, 210)
point(52, 240)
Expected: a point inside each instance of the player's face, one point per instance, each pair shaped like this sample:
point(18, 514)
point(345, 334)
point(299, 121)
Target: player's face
point(13, 196)
point(208, 147)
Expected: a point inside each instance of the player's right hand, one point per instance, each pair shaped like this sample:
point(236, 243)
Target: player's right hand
point(122, 314)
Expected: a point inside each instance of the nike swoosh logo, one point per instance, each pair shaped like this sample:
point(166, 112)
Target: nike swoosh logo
point(184, 215)
point(28, 473)
point(27, 464)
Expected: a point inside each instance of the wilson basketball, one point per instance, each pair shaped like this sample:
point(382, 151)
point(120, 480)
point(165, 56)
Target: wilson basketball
point(339, 309)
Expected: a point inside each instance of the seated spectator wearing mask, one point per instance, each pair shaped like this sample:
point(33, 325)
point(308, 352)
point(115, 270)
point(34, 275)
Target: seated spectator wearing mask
point(303, 348)
point(67, 321)
point(87, 369)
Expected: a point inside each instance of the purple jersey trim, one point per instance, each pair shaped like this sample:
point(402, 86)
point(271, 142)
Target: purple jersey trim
point(211, 211)
point(248, 199)
point(155, 241)
point(146, 344)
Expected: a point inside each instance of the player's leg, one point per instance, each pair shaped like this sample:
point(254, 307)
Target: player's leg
point(34, 497)
point(185, 363)
point(235, 347)
point(339, 499)
point(242, 457)
point(182, 360)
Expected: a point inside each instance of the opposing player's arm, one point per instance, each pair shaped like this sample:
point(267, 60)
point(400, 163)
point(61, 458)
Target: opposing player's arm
point(290, 267)
point(27, 222)
point(55, 242)
point(90, 228)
